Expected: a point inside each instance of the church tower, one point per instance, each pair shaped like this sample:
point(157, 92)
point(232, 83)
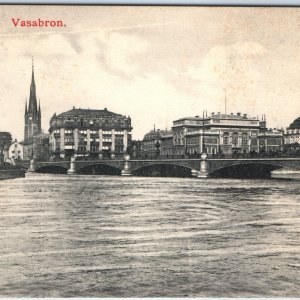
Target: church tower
point(32, 112)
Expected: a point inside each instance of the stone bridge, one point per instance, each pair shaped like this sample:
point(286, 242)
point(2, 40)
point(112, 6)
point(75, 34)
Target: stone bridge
point(202, 168)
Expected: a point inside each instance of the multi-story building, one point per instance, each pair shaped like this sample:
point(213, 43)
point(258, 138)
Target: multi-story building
point(292, 137)
point(292, 133)
point(152, 142)
point(215, 134)
point(89, 132)
point(270, 141)
point(136, 149)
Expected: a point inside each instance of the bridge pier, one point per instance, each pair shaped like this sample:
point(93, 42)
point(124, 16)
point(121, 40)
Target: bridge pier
point(127, 167)
point(31, 167)
point(72, 170)
point(194, 173)
point(203, 173)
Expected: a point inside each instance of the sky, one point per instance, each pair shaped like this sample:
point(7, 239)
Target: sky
point(154, 63)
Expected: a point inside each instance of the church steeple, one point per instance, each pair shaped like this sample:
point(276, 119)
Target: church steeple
point(25, 107)
point(32, 112)
point(32, 108)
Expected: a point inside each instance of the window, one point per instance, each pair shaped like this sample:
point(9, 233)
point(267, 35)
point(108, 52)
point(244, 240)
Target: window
point(226, 138)
point(244, 139)
point(235, 139)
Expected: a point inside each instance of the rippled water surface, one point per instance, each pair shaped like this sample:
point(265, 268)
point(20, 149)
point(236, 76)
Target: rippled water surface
point(100, 236)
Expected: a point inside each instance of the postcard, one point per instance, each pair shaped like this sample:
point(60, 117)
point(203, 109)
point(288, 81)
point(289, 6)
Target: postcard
point(149, 151)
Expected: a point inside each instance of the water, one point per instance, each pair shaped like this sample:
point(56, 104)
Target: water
point(101, 236)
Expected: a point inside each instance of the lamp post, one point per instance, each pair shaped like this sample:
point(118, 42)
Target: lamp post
point(203, 142)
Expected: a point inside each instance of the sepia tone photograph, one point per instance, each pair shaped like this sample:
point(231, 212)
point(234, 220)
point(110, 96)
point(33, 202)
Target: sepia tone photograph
point(149, 151)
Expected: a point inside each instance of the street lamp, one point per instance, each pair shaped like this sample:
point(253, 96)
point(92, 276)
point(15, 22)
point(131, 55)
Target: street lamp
point(203, 143)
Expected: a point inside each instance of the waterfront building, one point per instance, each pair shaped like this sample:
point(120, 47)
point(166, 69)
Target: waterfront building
point(152, 142)
point(37, 147)
point(271, 141)
point(89, 132)
point(15, 151)
point(136, 149)
point(292, 133)
point(292, 137)
point(215, 134)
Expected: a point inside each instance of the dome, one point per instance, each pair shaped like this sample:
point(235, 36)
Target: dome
point(295, 124)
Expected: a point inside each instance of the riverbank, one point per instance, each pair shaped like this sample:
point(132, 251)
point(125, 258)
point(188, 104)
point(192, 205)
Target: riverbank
point(11, 173)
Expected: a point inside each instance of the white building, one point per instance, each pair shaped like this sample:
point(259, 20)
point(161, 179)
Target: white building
point(16, 151)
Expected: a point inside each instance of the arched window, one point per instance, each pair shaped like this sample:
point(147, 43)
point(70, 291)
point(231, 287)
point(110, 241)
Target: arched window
point(226, 138)
point(244, 139)
point(81, 122)
point(235, 139)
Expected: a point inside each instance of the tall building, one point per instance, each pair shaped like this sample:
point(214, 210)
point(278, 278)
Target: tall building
point(89, 132)
point(32, 113)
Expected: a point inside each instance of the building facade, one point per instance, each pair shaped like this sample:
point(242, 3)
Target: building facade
point(16, 152)
point(220, 135)
point(5, 141)
point(152, 143)
point(215, 134)
point(292, 138)
point(270, 141)
point(89, 132)
point(37, 147)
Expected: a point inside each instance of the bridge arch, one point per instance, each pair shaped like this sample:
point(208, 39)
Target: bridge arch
point(162, 169)
point(98, 168)
point(247, 169)
point(52, 169)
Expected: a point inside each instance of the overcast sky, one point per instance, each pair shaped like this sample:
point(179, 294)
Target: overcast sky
point(155, 64)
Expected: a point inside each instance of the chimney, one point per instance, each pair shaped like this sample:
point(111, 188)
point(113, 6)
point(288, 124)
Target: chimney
point(231, 114)
point(212, 114)
point(239, 114)
point(105, 108)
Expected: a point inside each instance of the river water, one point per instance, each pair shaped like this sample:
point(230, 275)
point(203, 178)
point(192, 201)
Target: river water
point(107, 236)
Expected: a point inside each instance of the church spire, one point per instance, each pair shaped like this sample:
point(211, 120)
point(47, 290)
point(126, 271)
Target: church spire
point(26, 107)
point(32, 108)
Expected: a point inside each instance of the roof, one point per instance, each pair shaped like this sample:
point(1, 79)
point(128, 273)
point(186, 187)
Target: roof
point(295, 124)
point(156, 134)
point(88, 112)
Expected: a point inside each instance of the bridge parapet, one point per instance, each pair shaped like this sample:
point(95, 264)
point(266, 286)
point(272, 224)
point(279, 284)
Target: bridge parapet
point(199, 168)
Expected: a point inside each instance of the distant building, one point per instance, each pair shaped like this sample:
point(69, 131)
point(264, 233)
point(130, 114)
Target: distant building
point(292, 137)
point(37, 147)
point(89, 132)
point(292, 133)
point(136, 150)
point(15, 151)
point(152, 142)
point(5, 141)
point(271, 141)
